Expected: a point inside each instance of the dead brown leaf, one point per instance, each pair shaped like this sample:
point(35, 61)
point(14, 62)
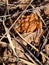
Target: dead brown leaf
point(29, 23)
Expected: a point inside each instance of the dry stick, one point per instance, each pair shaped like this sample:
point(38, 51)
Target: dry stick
point(30, 58)
point(9, 38)
point(3, 63)
point(27, 62)
point(7, 6)
point(16, 20)
point(3, 44)
point(34, 57)
point(31, 45)
point(5, 16)
point(45, 41)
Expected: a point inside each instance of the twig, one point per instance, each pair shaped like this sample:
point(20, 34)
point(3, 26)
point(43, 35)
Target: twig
point(5, 16)
point(30, 59)
point(9, 38)
point(27, 62)
point(3, 44)
point(45, 41)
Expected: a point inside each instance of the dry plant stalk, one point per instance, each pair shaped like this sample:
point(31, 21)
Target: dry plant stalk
point(3, 44)
point(9, 38)
point(31, 59)
point(27, 62)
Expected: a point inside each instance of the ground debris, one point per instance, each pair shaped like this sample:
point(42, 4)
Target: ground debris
point(24, 32)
